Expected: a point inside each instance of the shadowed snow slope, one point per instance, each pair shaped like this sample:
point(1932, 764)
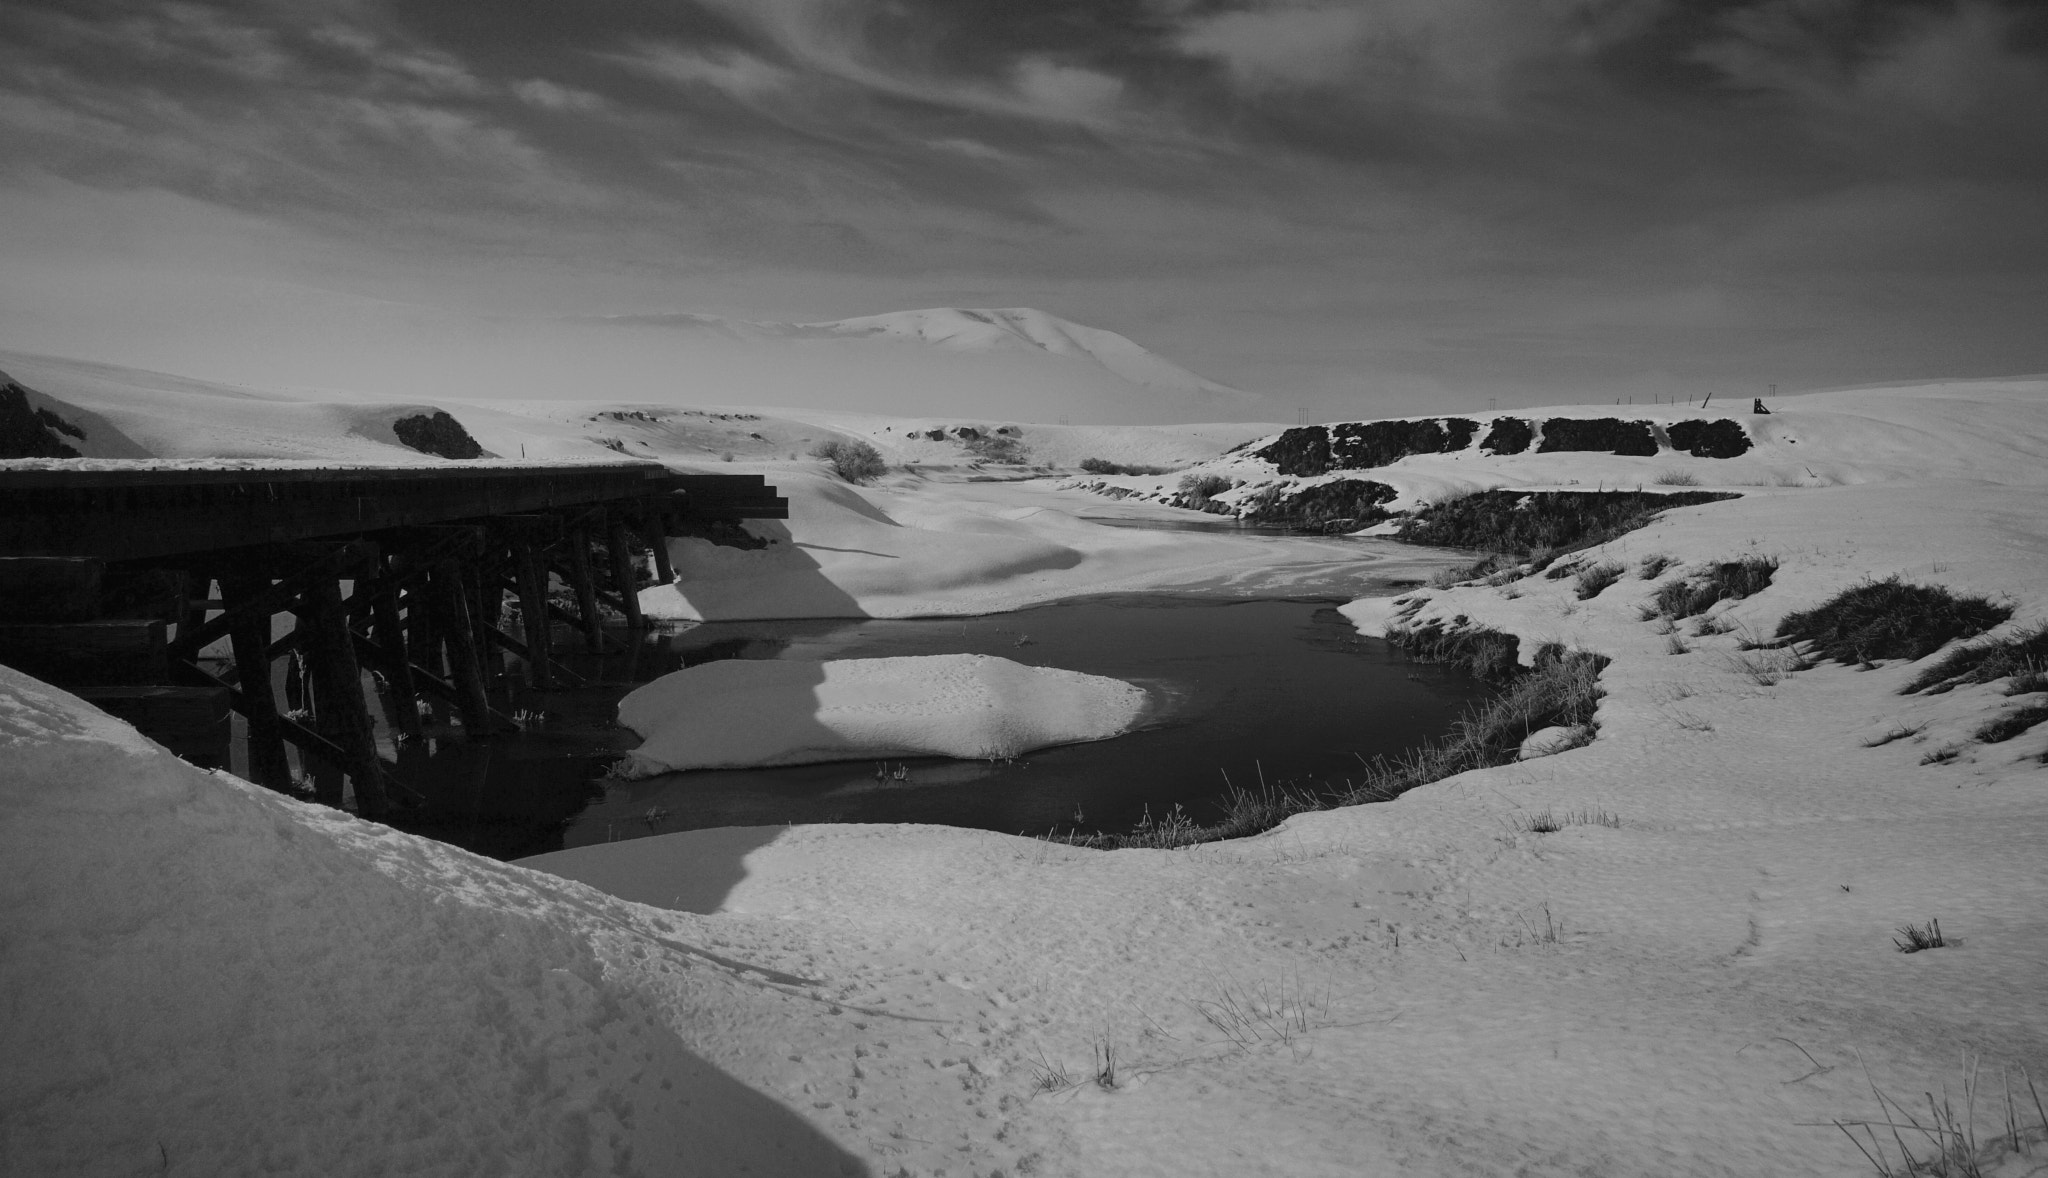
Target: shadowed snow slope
point(201, 977)
point(740, 712)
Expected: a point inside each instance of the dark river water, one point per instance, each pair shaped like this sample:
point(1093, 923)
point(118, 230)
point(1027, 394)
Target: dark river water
point(1281, 689)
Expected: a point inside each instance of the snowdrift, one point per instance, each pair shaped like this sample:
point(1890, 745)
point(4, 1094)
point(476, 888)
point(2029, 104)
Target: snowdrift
point(203, 977)
point(740, 713)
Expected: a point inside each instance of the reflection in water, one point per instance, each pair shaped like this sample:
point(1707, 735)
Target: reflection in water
point(1243, 689)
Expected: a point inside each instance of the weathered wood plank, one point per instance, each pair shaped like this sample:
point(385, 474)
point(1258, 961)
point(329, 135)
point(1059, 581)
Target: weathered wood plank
point(343, 713)
point(50, 588)
point(82, 654)
point(250, 638)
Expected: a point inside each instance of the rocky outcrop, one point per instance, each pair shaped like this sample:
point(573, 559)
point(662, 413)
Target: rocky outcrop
point(1508, 435)
point(1610, 434)
point(438, 434)
point(1709, 439)
point(27, 432)
point(1307, 451)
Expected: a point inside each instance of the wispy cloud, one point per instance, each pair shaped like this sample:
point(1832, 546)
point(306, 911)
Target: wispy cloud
point(1482, 166)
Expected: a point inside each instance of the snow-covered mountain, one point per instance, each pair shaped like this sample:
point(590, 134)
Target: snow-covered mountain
point(1016, 362)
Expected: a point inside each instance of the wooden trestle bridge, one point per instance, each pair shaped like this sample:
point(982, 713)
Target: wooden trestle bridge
point(112, 583)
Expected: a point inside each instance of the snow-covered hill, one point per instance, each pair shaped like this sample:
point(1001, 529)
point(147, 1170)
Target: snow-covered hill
point(1985, 430)
point(130, 413)
point(1016, 363)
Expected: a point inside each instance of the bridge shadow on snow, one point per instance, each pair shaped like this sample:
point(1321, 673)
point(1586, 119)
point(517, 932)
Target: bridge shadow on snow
point(790, 584)
point(690, 871)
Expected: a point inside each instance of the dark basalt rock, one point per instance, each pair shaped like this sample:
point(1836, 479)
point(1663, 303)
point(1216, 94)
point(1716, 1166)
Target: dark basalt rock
point(1310, 450)
point(1303, 451)
point(438, 434)
point(30, 433)
point(1509, 435)
point(1709, 439)
point(1315, 507)
point(1598, 433)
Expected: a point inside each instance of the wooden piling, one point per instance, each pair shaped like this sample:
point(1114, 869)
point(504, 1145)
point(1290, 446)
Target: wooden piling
point(398, 655)
point(533, 614)
point(451, 619)
point(628, 585)
point(581, 581)
point(50, 588)
point(654, 529)
point(250, 638)
point(344, 715)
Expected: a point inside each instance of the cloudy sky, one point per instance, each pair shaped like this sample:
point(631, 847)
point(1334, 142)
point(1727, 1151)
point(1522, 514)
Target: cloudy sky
point(1350, 205)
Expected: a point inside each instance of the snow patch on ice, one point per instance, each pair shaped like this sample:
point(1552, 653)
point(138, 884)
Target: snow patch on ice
point(741, 712)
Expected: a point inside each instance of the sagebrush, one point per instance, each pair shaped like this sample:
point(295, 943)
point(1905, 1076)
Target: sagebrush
point(851, 459)
point(1891, 619)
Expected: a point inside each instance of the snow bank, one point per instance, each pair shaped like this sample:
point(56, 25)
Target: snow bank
point(741, 712)
point(202, 977)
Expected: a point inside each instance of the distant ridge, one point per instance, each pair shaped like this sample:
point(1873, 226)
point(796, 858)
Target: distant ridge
point(1068, 357)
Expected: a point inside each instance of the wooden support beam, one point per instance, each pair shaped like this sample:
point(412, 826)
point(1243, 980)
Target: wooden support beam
point(292, 567)
point(483, 584)
point(628, 585)
point(533, 613)
point(397, 661)
point(102, 653)
point(654, 529)
point(344, 716)
point(310, 744)
point(196, 588)
point(450, 607)
point(50, 588)
point(250, 637)
point(585, 586)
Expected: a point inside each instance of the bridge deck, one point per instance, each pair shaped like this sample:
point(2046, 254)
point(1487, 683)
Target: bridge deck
point(144, 513)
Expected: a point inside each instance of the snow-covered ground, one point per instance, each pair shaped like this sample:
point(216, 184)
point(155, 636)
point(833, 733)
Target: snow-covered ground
point(201, 977)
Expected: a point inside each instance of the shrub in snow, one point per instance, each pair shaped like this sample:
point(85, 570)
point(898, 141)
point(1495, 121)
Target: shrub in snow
point(1890, 619)
point(1596, 578)
point(438, 434)
point(1729, 580)
point(1598, 433)
point(1342, 505)
point(996, 447)
point(2023, 657)
point(853, 460)
point(1525, 521)
point(1198, 491)
point(2012, 723)
point(1105, 466)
